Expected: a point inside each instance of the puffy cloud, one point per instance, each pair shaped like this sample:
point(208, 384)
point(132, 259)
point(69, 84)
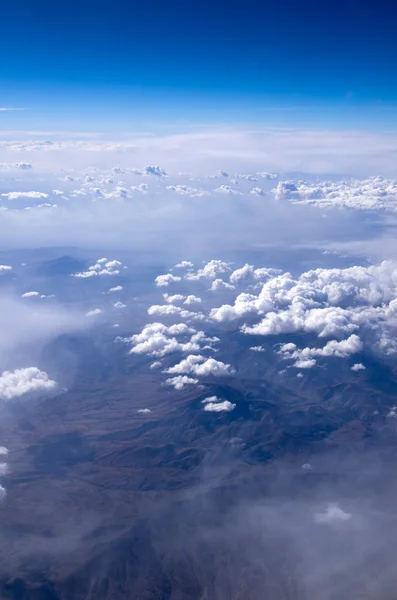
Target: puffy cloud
point(154, 170)
point(257, 191)
point(358, 367)
point(164, 280)
point(143, 411)
point(191, 299)
point(257, 348)
point(103, 266)
point(117, 288)
point(142, 188)
point(156, 339)
point(328, 302)
point(30, 294)
point(174, 299)
point(224, 406)
point(119, 305)
point(171, 309)
point(332, 514)
point(268, 176)
point(210, 271)
point(5, 268)
point(23, 165)
point(180, 381)
point(94, 312)
point(219, 284)
point(184, 264)
point(227, 189)
point(201, 367)
point(18, 195)
point(306, 357)
point(14, 384)
point(186, 190)
point(248, 272)
point(374, 193)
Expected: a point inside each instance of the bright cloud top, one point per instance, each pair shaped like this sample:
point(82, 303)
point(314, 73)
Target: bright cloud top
point(14, 384)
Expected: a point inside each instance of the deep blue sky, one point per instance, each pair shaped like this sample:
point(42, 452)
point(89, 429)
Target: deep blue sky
point(279, 61)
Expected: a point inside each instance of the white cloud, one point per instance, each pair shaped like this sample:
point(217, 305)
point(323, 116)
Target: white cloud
point(210, 271)
point(156, 339)
point(174, 299)
point(192, 300)
point(23, 165)
point(170, 309)
point(103, 266)
point(18, 195)
point(211, 399)
point(164, 280)
point(119, 305)
point(332, 514)
point(3, 450)
point(5, 268)
point(94, 312)
point(180, 381)
point(186, 190)
point(257, 348)
point(14, 384)
point(328, 302)
point(257, 191)
point(154, 170)
point(30, 294)
point(224, 406)
point(184, 264)
point(227, 189)
point(306, 357)
point(143, 411)
point(201, 367)
point(3, 492)
point(219, 284)
point(117, 288)
point(374, 193)
point(358, 367)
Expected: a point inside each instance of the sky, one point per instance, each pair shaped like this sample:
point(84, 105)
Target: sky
point(123, 65)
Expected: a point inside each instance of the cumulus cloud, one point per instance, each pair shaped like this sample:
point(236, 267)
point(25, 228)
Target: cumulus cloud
point(210, 271)
point(187, 190)
point(30, 294)
point(94, 312)
point(224, 406)
point(14, 384)
point(227, 189)
point(18, 195)
point(156, 339)
point(143, 411)
point(180, 381)
point(154, 170)
point(358, 367)
point(170, 309)
point(333, 514)
point(184, 264)
point(165, 280)
point(117, 288)
point(306, 357)
point(374, 193)
point(201, 367)
point(103, 266)
point(331, 303)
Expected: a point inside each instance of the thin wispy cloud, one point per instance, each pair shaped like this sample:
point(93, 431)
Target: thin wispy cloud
point(10, 108)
